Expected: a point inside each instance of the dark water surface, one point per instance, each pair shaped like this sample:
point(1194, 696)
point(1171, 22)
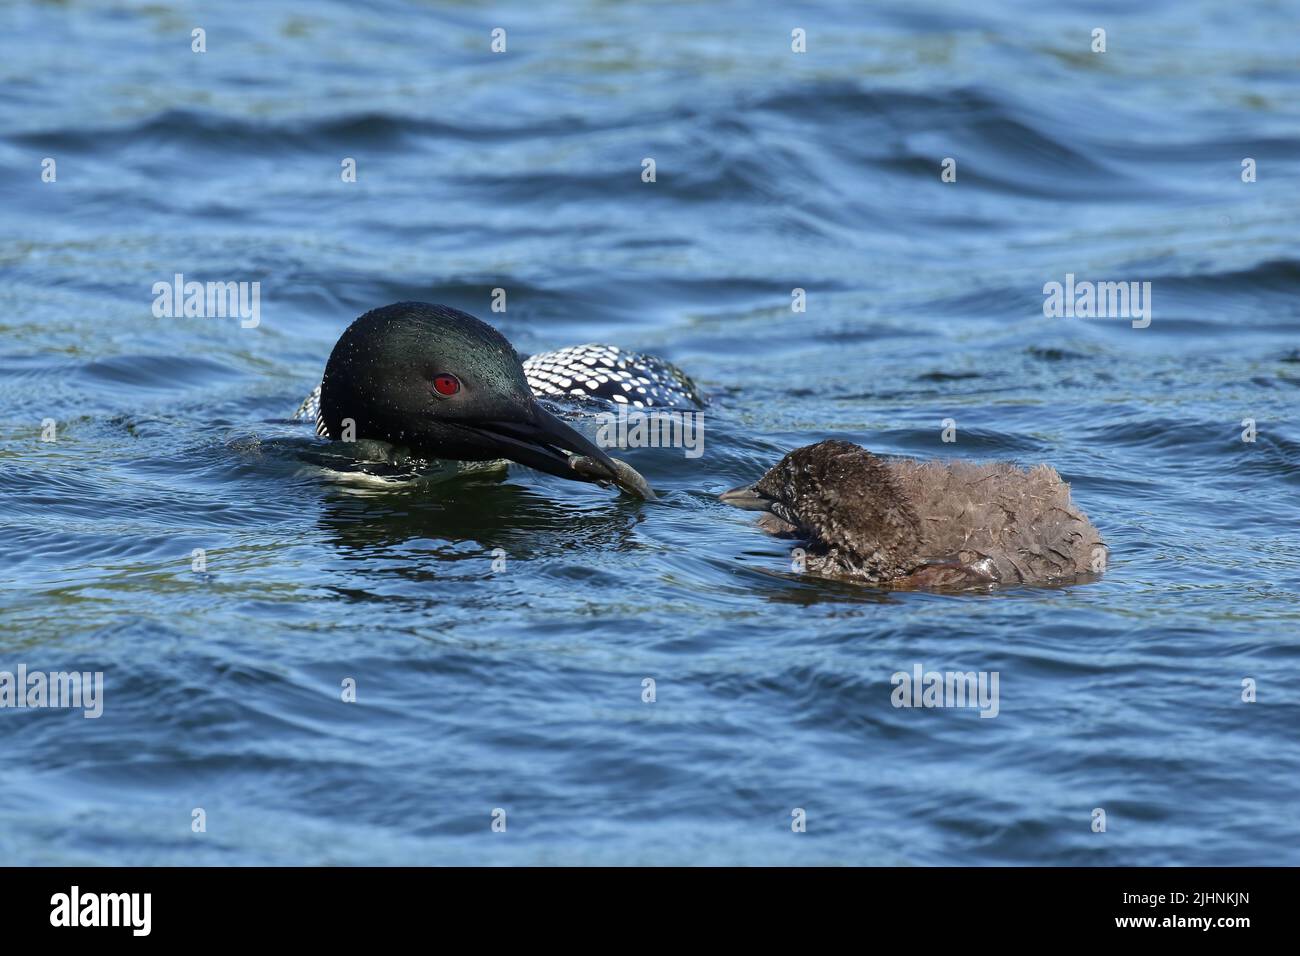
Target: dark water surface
point(521, 689)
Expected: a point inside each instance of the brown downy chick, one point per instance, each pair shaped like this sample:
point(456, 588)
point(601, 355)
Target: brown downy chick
point(901, 523)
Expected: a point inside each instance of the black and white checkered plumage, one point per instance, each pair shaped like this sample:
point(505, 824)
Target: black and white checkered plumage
point(309, 411)
point(604, 375)
point(609, 374)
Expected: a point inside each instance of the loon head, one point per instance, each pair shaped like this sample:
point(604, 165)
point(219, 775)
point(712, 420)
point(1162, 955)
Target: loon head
point(446, 385)
point(843, 499)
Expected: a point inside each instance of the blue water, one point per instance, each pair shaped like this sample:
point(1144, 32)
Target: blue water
point(521, 689)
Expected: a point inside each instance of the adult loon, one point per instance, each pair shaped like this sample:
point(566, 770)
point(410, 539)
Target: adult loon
point(443, 384)
point(901, 523)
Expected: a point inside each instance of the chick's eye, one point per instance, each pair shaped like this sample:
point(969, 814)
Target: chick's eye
point(446, 384)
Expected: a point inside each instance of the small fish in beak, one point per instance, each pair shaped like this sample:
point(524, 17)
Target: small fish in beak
point(625, 476)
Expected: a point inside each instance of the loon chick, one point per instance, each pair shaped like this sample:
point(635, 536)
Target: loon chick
point(443, 384)
point(932, 524)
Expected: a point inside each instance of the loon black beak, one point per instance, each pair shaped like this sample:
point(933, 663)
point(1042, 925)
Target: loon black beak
point(540, 440)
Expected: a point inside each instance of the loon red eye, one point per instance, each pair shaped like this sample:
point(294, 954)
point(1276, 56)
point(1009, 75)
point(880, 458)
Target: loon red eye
point(446, 385)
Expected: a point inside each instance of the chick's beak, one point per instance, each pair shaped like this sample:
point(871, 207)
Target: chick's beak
point(746, 498)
